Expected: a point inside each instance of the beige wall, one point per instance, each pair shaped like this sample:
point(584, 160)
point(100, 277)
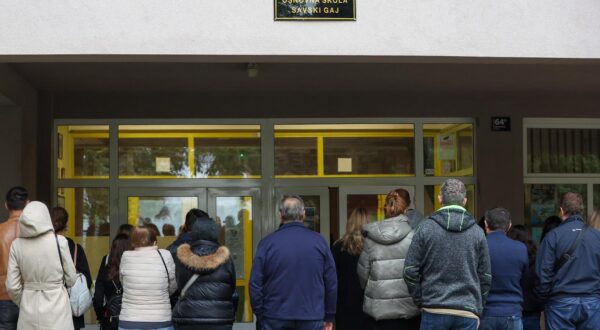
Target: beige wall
point(499, 154)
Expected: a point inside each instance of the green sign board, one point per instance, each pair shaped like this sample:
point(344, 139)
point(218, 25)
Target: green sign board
point(335, 10)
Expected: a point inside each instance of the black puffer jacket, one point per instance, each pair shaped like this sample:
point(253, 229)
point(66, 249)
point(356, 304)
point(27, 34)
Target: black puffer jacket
point(209, 300)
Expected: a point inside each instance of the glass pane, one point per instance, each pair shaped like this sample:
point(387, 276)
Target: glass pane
point(153, 157)
point(563, 150)
point(295, 156)
point(186, 151)
point(166, 213)
point(374, 204)
point(432, 203)
point(541, 201)
point(369, 155)
point(82, 152)
point(88, 225)
point(448, 149)
point(235, 216)
point(344, 150)
point(216, 157)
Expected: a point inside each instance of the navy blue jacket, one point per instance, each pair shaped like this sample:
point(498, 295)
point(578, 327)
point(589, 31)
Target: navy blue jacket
point(509, 266)
point(293, 276)
point(580, 276)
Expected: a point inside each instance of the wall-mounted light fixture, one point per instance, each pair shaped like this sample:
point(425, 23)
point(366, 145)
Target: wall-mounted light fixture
point(252, 70)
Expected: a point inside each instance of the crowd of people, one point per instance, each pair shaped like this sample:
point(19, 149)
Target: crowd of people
point(407, 271)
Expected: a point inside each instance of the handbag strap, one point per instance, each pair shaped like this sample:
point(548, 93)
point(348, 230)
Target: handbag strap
point(62, 266)
point(188, 284)
point(569, 254)
point(165, 264)
point(75, 256)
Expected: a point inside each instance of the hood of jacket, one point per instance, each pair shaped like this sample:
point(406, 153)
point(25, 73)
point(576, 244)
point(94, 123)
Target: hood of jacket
point(453, 218)
point(202, 262)
point(388, 231)
point(35, 220)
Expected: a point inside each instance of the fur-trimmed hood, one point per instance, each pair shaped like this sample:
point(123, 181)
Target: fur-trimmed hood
point(202, 263)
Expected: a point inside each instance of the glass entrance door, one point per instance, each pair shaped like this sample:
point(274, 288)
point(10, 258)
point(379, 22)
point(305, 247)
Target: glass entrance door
point(316, 206)
point(371, 198)
point(235, 209)
point(164, 208)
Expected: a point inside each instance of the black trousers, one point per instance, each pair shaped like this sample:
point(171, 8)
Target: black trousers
point(9, 315)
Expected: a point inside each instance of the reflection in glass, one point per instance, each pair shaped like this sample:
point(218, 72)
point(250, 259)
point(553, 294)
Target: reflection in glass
point(227, 157)
point(448, 149)
point(153, 157)
point(82, 151)
point(432, 204)
point(369, 155)
point(89, 223)
point(234, 214)
point(541, 200)
point(166, 213)
point(563, 150)
point(295, 156)
point(374, 204)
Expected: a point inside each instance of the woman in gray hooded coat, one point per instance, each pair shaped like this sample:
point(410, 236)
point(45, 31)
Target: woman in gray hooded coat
point(381, 267)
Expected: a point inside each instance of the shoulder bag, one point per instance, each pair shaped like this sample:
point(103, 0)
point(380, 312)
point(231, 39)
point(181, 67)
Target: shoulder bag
point(172, 297)
point(569, 254)
point(79, 294)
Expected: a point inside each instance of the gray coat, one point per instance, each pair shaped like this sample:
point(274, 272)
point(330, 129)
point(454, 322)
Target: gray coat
point(381, 268)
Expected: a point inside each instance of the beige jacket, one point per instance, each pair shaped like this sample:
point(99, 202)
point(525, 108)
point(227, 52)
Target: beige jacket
point(146, 288)
point(35, 279)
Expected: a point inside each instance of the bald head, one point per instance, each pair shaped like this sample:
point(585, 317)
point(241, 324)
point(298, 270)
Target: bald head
point(292, 209)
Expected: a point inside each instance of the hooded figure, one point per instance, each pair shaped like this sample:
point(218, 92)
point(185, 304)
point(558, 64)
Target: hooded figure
point(380, 269)
point(36, 280)
point(208, 302)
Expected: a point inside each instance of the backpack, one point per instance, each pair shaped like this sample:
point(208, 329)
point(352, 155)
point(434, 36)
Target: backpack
point(113, 304)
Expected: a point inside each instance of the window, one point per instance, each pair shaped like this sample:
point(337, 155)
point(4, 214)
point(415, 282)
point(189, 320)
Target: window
point(560, 156)
point(82, 152)
point(448, 149)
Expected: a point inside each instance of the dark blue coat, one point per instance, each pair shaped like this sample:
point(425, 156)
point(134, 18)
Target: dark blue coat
point(293, 276)
point(580, 276)
point(509, 267)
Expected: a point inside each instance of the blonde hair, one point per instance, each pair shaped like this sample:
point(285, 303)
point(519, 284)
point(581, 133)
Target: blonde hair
point(143, 236)
point(396, 203)
point(352, 241)
point(594, 220)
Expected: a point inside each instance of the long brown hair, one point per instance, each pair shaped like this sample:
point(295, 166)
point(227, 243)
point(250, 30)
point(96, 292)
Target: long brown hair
point(120, 244)
point(396, 203)
point(352, 241)
point(594, 220)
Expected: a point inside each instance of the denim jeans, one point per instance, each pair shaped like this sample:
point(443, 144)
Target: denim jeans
point(501, 323)
point(9, 315)
point(580, 313)
point(431, 321)
point(274, 324)
point(532, 321)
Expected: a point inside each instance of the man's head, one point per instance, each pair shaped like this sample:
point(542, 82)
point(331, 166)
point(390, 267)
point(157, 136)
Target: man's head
point(453, 192)
point(16, 199)
point(291, 209)
point(571, 204)
point(497, 219)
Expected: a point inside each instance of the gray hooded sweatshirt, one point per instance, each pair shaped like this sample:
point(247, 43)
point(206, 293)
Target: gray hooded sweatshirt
point(380, 269)
point(448, 263)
